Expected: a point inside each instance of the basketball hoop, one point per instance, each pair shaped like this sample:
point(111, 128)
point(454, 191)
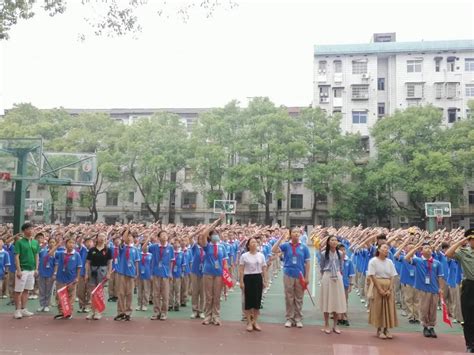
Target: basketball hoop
point(5, 176)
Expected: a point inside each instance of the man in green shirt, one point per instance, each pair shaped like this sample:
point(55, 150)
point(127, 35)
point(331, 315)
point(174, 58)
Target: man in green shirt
point(26, 261)
point(465, 257)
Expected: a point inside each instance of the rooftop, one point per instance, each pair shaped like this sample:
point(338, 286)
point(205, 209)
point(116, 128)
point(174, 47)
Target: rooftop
point(394, 47)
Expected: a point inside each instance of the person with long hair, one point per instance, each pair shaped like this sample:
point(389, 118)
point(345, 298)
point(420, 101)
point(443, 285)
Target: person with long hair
point(332, 297)
point(98, 267)
point(252, 271)
point(382, 312)
point(296, 261)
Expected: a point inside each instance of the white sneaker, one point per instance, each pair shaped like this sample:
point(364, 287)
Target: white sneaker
point(34, 297)
point(4, 297)
point(97, 316)
point(288, 324)
point(202, 316)
point(41, 309)
point(17, 314)
point(139, 309)
point(26, 313)
point(404, 313)
point(46, 309)
point(144, 308)
point(299, 324)
point(90, 316)
point(194, 316)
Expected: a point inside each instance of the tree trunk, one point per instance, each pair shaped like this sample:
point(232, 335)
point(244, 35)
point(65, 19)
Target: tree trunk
point(314, 211)
point(172, 205)
point(156, 214)
point(268, 220)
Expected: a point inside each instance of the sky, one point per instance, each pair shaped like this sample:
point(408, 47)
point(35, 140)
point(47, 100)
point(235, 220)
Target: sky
point(259, 48)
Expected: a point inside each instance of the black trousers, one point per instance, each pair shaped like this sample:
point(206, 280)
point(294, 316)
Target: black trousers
point(467, 309)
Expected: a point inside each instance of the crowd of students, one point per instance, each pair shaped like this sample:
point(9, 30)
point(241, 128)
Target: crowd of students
point(167, 264)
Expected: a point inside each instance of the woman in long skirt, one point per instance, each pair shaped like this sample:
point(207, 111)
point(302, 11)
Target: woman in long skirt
point(382, 313)
point(252, 268)
point(332, 295)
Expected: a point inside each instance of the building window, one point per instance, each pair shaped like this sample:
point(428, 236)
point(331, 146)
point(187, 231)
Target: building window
point(111, 199)
point(451, 90)
point(469, 64)
point(414, 66)
point(451, 115)
point(470, 90)
point(360, 92)
point(239, 197)
point(451, 63)
point(9, 198)
point(359, 67)
point(337, 92)
point(381, 84)
point(439, 90)
point(188, 174)
point(188, 199)
point(359, 117)
point(337, 66)
point(84, 199)
point(322, 67)
point(438, 64)
point(131, 196)
point(324, 94)
point(381, 109)
point(298, 175)
point(365, 143)
point(471, 197)
point(414, 90)
point(296, 201)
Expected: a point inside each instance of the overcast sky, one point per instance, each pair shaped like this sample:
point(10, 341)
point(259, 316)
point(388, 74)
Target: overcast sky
point(260, 48)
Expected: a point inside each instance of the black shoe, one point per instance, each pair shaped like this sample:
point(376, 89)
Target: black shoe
point(417, 321)
point(126, 318)
point(426, 333)
point(433, 334)
point(411, 321)
point(121, 316)
point(111, 299)
point(183, 304)
point(68, 317)
point(346, 323)
point(176, 309)
point(58, 316)
point(150, 303)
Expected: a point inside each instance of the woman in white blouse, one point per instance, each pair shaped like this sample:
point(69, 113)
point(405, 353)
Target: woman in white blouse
point(252, 269)
point(382, 313)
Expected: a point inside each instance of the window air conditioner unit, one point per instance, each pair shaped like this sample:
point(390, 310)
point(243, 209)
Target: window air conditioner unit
point(403, 220)
point(9, 211)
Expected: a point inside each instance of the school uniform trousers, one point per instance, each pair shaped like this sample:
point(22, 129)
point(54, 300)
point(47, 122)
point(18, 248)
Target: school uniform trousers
point(428, 308)
point(212, 290)
point(45, 285)
point(197, 297)
point(143, 288)
point(411, 299)
point(125, 285)
point(161, 295)
point(175, 290)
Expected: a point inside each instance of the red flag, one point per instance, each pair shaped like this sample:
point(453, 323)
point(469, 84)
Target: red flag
point(303, 282)
point(227, 278)
point(63, 296)
point(445, 313)
point(98, 298)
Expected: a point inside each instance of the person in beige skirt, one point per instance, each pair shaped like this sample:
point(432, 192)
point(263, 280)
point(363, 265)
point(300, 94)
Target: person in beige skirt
point(332, 295)
point(382, 313)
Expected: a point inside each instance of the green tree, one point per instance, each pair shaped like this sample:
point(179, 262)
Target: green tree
point(155, 149)
point(413, 157)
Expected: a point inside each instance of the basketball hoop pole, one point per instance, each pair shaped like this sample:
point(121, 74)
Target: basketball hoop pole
point(20, 189)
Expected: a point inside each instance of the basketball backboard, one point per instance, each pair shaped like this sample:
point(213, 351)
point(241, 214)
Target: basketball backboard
point(14, 151)
point(226, 206)
point(438, 209)
point(69, 168)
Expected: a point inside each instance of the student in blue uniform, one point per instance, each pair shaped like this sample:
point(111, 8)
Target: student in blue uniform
point(127, 272)
point(176, 276)
point(162, 257)
point(429, 281)
point(296, 261)
point(197, 284)
point(67, 268)
point(348, 274)
point(144, 279)
point(46, 279)
point(186, 270)
point(10, 248)
point(82, 291)
point(4, 263)
point(214, 263)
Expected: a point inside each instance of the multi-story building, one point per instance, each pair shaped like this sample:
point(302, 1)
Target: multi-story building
point(365, 82)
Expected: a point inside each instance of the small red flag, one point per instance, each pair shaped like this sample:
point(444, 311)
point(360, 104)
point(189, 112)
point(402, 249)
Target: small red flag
point(63, 296)
point(227, 278)
point(303, 282)
point(98, 298)
point(445, 313)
